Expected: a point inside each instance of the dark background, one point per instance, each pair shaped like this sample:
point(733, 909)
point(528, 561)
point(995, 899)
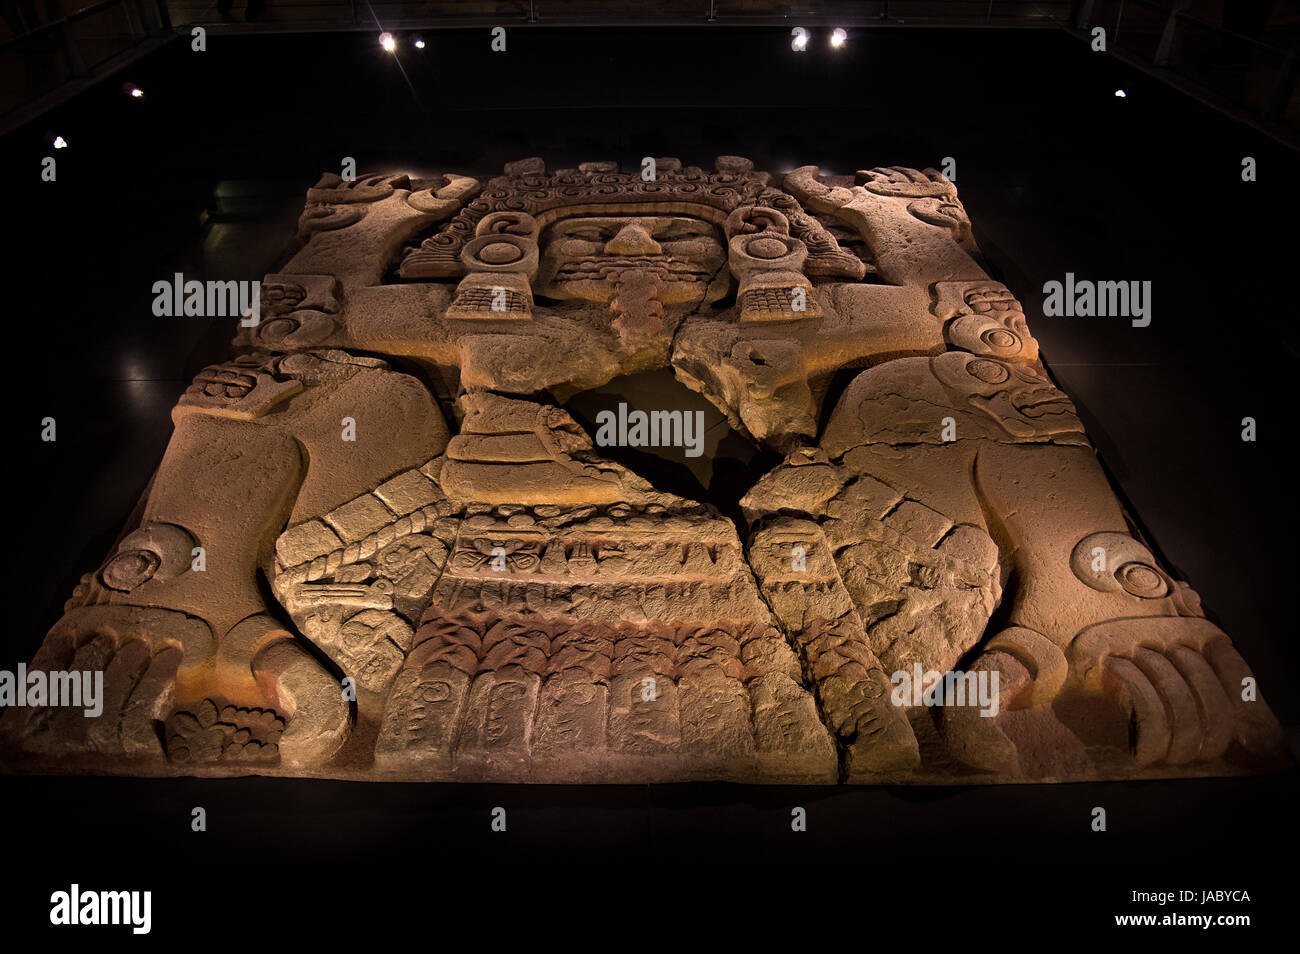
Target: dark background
point(1057, 174)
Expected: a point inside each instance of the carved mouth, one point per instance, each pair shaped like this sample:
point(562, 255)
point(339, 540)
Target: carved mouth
point(1042, 402)
point(600, 268)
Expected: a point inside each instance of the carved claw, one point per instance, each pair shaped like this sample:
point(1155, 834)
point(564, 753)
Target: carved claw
point(1184, 690)
point(1019, 733)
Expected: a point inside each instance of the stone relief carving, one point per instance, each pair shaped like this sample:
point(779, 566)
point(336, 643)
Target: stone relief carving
point(462, 586)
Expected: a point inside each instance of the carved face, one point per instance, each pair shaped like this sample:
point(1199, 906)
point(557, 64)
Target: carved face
point(366, 652)
point(1017, 397)
point(584, 257)
point(366, 645)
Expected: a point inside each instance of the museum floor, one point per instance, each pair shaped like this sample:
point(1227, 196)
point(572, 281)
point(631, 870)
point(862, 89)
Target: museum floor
point(1059, 175)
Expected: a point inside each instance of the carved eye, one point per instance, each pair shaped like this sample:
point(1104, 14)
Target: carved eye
point(436, 691)
point(1141, 580)
point(129, 568)
point(589, 233)
point(990, 372)
point(681, 231)
point(1001, 339)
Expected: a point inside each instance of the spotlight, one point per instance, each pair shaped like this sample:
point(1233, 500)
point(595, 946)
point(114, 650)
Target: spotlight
point(419, 43)
point(838, 38)
point(1121, 94)
point(60, 142)
point(387, 42)
point(135, 92)
point(800, 41)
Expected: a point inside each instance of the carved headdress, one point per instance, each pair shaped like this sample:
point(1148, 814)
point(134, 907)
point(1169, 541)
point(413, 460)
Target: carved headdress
point(598, 188)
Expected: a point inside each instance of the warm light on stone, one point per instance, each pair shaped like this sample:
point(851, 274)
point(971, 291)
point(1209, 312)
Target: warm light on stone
point(426, 568)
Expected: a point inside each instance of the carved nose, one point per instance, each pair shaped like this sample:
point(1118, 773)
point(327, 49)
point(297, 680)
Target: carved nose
point(632, 239)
